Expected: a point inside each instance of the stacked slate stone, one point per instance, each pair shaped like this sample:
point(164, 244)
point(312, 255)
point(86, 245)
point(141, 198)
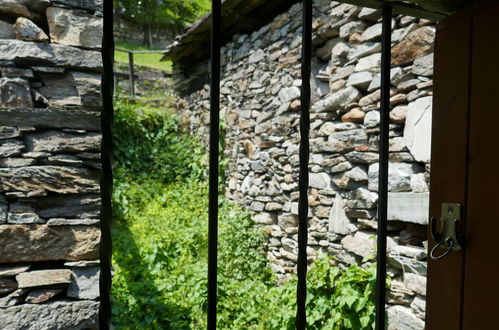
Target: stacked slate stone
point(50, 64)
point(260, 95)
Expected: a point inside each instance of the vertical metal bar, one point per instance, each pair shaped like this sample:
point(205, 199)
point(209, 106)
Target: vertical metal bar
point(306, 59)
point(106, 182)
point(383, 166)
point(214, 155)
point(132, 74)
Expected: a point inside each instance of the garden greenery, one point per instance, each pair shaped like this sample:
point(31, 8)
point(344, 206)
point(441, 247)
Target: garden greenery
point(160, 244)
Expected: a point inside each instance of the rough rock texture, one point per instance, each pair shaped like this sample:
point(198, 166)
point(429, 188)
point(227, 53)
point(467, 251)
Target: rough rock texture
point(74, 28)
point(53, 54)
point(23, 243)
point(59, 179)
point(27, 30)
point(50, 104)
point(72, 315)
point(44, 277)
point(260, 102)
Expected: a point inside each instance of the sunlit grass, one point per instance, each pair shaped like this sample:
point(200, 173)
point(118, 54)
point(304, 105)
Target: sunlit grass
point(147, 60)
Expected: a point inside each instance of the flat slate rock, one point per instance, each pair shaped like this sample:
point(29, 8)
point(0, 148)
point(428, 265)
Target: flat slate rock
point(44, 277)
point(69, 315)
point(22, 243)
point(52, 54)
point(58, 179)
point(51, 118)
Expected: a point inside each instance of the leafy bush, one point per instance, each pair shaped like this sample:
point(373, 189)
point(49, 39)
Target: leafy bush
point(149, 142)
point(160, 245)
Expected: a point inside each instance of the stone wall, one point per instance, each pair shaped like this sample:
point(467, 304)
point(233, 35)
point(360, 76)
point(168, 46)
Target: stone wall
point(50, 103)
point(260, 98)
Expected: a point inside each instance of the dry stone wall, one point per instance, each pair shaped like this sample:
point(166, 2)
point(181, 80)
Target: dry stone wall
point(50, 104)
point(260, 95)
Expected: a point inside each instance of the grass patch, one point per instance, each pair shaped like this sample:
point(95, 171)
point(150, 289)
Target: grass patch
point(147, 60)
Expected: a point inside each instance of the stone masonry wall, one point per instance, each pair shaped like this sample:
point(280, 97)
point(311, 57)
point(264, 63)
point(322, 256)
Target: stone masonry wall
point(50, 102)
point(260, 97)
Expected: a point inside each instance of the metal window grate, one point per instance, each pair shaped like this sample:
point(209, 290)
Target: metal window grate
point(304, 158)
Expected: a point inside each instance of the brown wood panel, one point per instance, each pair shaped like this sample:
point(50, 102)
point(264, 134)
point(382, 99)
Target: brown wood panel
point(481, 286)
point(448, 165)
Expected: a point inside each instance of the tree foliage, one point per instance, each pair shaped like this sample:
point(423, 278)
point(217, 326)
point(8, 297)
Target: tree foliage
point(164, 13)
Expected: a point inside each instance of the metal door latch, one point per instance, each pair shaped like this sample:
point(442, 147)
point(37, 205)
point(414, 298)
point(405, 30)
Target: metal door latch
point(450, 236)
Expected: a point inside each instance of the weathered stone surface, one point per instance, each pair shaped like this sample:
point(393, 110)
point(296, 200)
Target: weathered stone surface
point(3, 213)
point(399, 176)
point(25, 29)
point(7, 285)
point(417, 131)
point(51, 118)
point(423, 66)
point(70, 315)
point(76, 206)
point(92, 5)
point(365, 49)
point(74, 28)
point(319, 180)
point(24, 218)
point(16, 162)
point(63, 180)
point(88, 86)
point(58, 142)
point(337, 100)
point(416, 43)
point(10, 148)
point(21, 243)
point(15, 93)
point(43, 295)
point(362, 198)
point(362, 244)
point(409, 207)
point(72, 222)
point(289, 94)
point(416, 283)
point(15, 298)
point(399, 114)
point(354, 116)
point(406, 264)
point(418, 305)
point(342, 141)
point(85, 283)
point(400, 317)
point(8, 132)
point(6, 30)
point(360, 79)
point(43, 54)
point(13, 270)
point(23, 8)
point(60, 89)
point(44, 277)
point(338, 220)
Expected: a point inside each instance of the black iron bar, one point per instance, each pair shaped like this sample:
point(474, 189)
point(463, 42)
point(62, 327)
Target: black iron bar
point(213, 166)
point(306, 59)
point(132, 74)
point(386, 42)
point(106, 182)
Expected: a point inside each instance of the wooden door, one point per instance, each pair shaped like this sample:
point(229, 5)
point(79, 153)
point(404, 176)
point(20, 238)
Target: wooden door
point(463, 287)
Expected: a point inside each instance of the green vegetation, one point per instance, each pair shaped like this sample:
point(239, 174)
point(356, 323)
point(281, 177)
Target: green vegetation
point(171, 14)
point(160, 244)
point(147, 60)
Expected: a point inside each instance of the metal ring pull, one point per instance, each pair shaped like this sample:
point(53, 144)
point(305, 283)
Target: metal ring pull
point(449, 241)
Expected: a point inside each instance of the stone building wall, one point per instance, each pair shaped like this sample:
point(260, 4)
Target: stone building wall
point(50, 102)
point(260, 98)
